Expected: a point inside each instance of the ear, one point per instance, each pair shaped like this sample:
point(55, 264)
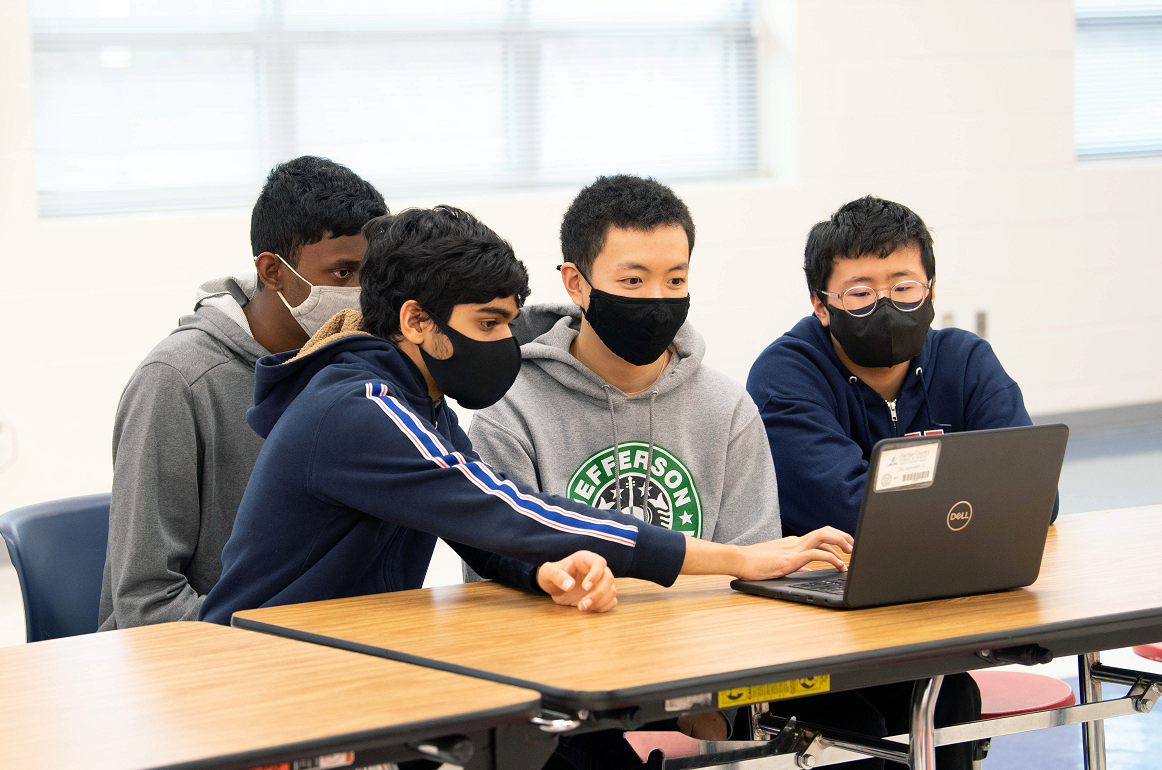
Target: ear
point(270, 270)
point(413, 322)
point(932, 293)
point(575, 284)
point(820, 308)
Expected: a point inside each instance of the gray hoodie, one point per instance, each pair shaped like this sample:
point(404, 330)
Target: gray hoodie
point(182, 454)
point(560, 428)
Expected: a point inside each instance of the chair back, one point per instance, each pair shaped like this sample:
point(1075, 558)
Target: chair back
point(58, 550)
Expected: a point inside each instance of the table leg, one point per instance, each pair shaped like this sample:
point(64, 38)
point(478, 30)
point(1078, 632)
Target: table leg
point(922, 748)
point(1093, 734)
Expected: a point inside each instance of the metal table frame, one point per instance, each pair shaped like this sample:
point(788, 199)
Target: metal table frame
point(792, 745)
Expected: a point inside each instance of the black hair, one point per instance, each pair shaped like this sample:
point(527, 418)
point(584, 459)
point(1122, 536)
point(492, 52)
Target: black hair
point(864, 227)
point(628, 202)
point(440, 257)
point(306, 200)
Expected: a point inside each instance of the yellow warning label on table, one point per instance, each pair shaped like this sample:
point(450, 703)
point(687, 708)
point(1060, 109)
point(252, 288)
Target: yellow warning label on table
point(792, 688)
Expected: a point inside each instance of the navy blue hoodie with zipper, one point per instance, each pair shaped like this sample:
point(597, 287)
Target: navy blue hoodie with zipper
point(361, 472)
point(822, 421)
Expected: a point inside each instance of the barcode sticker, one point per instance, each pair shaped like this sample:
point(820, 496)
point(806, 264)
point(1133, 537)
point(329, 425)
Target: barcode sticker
point(907, 467)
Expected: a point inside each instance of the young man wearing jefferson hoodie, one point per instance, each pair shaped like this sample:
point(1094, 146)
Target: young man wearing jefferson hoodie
point(182, 451)
point(365, 465)
point(613, 406)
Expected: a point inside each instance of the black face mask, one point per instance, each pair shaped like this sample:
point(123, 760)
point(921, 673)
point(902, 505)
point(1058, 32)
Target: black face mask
point(636, 329)
point(885, 337)
point(478, 373)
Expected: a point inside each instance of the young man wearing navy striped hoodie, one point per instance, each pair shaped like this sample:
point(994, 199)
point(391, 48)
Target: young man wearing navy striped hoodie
point(365, 465)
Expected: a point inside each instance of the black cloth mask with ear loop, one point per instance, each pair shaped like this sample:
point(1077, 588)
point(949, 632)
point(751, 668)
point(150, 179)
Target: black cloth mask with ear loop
point(478, 373)
point(884, 337)
point(637, 329)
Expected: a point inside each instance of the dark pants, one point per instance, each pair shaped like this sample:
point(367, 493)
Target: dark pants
point(875, 711)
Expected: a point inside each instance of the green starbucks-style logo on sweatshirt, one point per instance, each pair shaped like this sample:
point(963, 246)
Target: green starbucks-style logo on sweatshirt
point(673, 499)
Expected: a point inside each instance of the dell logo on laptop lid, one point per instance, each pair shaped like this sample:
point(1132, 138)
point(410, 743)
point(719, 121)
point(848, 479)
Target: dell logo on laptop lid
point(959, 515)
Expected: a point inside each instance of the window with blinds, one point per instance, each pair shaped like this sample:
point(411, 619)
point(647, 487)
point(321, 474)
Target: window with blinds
point(148, 104)
point(1117, 78)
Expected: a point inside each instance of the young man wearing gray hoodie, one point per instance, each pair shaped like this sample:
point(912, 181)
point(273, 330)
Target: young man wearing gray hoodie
point(613, 406)
point(182, 450)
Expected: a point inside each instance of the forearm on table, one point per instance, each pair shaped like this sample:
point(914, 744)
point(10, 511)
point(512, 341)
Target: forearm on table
point(707, 558)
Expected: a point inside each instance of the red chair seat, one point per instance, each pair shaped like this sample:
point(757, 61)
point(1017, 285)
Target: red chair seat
point(672, 744)
point(1149, 651)
point(1005, 693)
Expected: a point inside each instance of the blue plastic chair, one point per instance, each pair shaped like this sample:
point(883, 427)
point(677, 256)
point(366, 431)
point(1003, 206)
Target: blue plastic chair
point(58, 549)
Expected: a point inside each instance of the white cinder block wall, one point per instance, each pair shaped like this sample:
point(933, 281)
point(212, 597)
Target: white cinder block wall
point(961, 110)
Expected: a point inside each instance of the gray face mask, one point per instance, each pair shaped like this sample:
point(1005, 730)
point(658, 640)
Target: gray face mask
point(322, 304)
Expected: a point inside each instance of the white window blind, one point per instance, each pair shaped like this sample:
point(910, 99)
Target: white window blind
point(1117, 78)
point(146, 104)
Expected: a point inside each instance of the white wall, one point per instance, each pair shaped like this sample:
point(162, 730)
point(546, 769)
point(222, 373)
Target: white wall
point(960, 110)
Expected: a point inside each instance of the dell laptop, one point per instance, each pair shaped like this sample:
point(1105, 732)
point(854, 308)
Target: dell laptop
point(945, 515)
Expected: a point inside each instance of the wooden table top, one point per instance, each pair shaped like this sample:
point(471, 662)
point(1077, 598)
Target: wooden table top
point(700, 634)
point(185, 692)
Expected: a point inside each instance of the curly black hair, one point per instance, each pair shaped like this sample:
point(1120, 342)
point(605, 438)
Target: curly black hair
point(306, 200)
point(440, 257)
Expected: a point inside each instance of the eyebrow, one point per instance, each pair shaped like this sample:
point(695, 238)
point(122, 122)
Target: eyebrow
point(867, 279)
point(500, 311)
point(345, 263)
point(639, 266)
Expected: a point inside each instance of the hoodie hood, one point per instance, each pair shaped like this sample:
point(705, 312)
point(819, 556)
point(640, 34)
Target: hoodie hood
point(814, 340)
point(672, 455)
point(229, 294)
point(552, 329)
point(218, 313)
point(280, 378)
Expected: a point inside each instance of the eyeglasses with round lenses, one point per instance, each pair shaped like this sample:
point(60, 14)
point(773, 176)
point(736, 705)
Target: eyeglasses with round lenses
point(861, 300)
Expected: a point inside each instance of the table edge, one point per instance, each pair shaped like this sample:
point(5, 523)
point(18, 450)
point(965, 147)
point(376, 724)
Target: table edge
point(838, 664)
point(376, 737)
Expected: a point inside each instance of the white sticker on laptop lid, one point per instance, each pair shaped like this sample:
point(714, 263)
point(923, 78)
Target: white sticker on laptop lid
point(907, 467)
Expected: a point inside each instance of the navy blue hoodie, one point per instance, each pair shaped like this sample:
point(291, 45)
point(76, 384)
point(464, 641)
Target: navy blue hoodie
point(822, 421)
point(361, 472)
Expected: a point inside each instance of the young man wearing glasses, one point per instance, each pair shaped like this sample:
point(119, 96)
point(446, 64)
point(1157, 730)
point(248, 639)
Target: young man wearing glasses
point(866, 366)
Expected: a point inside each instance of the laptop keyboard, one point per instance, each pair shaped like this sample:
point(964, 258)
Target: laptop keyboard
point(835, 586)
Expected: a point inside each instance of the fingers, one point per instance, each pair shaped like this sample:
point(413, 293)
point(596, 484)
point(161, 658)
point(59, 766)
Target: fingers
point(823, 554)
point(551, 576)
point(596, 568)
point(831, 536)
point(602, 595)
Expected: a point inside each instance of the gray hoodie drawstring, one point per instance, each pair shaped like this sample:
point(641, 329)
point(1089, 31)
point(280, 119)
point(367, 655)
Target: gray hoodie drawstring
point(617, 451)
point(650, 458)
point(616, 448)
